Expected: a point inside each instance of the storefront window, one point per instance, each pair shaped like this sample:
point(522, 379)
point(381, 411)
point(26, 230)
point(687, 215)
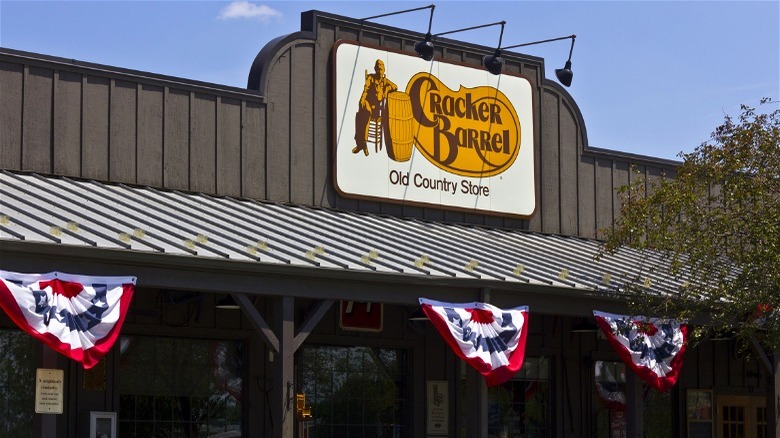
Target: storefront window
point(521, 407)
point(657, 413)
point(354, 392)
point(17, 383)
point(610, 378)
point(177, 387)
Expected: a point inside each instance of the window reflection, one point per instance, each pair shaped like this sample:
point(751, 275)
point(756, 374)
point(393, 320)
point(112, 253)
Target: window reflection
point(17, 383)
point(521, 406)
point(354, 391)
point(610, 380)
point(180, 387)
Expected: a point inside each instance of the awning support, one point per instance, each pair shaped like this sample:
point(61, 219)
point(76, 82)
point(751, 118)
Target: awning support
point(268, 335)
point(771, 366)
point(257, 320)
point(311, 322)
point(764, 359)
point(284, 345)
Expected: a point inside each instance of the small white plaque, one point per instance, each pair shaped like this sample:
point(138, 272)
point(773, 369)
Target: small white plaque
point(49, 386)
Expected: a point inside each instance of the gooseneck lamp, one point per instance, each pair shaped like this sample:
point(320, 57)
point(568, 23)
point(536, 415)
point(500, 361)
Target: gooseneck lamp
point(494, 64)
point(502, 23)
point(423, 48)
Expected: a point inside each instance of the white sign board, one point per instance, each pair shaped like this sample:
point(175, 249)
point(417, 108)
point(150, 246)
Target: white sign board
point(432, 133)
point(49, 389)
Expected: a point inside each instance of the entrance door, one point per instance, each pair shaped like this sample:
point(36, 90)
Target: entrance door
point(741, 416)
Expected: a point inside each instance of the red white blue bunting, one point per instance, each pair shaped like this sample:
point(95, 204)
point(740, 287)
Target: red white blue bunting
point(79, 316)
point(490, 339)
point(653, 349)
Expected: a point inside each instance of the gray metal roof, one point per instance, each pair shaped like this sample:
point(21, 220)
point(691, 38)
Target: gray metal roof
point(65, 211)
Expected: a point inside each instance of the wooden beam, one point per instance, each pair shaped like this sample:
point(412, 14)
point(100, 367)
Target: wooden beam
point(311, 322)
point(773, 397)
point(49, 421)
point(257, 320)
point(634, 405)
point(759, 350)
point(283, 392)
point(476, 388)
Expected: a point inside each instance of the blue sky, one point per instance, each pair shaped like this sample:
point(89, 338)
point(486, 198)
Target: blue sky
point(650, 77)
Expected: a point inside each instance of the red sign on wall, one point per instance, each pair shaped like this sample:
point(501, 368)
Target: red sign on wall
point(361, 316)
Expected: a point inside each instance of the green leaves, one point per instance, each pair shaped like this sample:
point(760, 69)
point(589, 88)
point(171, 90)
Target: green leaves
point(717, 225)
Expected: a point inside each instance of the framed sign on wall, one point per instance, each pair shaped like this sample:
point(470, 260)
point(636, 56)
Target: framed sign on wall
point(438, 408)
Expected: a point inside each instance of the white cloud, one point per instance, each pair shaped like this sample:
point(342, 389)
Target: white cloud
point(245, 9)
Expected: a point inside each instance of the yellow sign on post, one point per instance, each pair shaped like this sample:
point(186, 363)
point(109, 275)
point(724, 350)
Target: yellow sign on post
point(49, 389)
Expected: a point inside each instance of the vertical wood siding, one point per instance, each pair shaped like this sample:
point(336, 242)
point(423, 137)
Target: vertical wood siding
point(82, 122)
point(95, 127)
point(122, 147)
point(150, 134)
point(67, 124)
point(87, 123)
point(36, 113)
point(228, 153)
point(11, 110)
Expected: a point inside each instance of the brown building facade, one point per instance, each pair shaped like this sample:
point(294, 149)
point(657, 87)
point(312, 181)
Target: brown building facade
point(203, 192)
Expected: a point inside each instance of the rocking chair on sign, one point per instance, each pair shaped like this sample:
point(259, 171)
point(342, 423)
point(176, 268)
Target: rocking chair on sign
point(374, 132)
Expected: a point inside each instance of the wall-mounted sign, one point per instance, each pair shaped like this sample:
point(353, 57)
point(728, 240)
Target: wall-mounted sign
point(433, 133)
point(438, 407)
point(361, 316)
point(49, 390)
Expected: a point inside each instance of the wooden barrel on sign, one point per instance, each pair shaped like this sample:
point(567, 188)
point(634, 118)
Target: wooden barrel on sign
point(399, 126)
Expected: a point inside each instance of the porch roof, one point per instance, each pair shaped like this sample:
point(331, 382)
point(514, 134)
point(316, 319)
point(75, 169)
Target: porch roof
point(63, 211)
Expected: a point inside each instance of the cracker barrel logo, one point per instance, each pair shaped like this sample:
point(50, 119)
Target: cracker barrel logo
point(473, 132)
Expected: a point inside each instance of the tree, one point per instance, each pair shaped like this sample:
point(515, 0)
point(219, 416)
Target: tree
point(716, 228)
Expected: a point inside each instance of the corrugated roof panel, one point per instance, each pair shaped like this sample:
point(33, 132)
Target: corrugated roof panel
point(64, 211)
point(365, 245)
point(76, 203)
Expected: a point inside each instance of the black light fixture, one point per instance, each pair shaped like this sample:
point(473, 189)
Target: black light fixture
point(423, 48)
point(227, 303)
point(584, 326)
point(418, 315)
point(494, 63)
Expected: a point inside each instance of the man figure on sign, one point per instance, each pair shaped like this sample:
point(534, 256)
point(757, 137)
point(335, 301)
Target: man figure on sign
point(372, 101)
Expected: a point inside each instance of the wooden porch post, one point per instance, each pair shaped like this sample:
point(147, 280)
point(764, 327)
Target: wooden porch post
point(49, 421)
point(770, 365)
point(283, 394)
point(634, 406)
point(773, 397)
point(284, 345)
point(477, 423)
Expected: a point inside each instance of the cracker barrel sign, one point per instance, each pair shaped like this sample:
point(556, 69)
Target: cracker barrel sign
point(432, 133)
